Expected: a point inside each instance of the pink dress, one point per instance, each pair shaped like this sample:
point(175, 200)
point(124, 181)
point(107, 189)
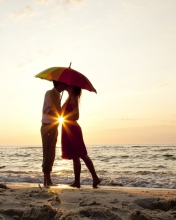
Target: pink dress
point(72, 143)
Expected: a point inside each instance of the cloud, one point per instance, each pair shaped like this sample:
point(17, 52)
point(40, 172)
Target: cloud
point(170, 83)
point(45, 53)
point(25, 63)
point(72, 1)
point(84, 26)
point(64, 3)
point(155, 87)
point(174, 121)
point(43, 1)
point(47, 24)
point(121, 119)
point(65, 7)
point(168, 121)
point(2, 24)
point(163, 85)
point(129, 6)
point(170, 33)
point(24, 12)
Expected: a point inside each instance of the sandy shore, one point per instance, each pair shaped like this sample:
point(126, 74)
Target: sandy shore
point(66, 203)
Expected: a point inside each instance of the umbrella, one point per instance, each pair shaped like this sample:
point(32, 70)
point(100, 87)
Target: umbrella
point(67, 75)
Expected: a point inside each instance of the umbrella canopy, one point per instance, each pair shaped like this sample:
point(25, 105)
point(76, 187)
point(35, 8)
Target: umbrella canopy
point(67, 75)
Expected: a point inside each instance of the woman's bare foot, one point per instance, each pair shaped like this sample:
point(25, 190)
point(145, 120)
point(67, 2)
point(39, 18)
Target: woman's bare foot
point(76, 185)
point(96, 181)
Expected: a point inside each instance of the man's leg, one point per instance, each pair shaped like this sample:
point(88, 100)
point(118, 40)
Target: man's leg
point(49, 139)
point(47, 179)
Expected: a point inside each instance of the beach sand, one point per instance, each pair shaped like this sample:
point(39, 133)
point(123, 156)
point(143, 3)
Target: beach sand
point(66, 203)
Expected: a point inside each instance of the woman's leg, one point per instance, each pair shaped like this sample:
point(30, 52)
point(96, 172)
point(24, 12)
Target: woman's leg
point(91, 168)
point(77, 172)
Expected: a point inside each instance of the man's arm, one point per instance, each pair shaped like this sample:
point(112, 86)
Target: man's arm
point(48, 106)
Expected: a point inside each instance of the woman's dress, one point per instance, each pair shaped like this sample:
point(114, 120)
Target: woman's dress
point(72, 143)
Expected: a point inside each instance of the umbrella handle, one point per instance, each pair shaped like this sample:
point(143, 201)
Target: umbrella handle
point(61, 96)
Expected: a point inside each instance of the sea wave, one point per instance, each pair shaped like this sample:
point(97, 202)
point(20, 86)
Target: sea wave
point(128, 165)
point(138, 179)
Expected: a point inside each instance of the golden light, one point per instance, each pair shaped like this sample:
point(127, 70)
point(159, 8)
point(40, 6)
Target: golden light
point(61, 120)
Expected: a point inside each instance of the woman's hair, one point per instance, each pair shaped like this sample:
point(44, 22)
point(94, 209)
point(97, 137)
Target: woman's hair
point(77, 91)
point(56, 83)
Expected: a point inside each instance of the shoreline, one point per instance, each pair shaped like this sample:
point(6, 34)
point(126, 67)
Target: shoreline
point(25, 202)
point(100, 187)
point(60, 186)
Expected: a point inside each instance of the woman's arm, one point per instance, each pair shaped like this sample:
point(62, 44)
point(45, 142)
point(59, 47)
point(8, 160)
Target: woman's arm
point(74, 115)
point(71, 113)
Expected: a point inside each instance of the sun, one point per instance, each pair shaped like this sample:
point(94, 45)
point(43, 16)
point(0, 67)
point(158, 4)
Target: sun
point(61, 120)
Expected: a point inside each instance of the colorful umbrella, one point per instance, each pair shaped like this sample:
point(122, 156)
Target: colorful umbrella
point(67, 75)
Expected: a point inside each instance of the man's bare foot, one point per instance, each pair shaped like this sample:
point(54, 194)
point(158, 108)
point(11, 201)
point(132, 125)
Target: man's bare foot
point(50, 184)
point(76, 185)
point(96, 181)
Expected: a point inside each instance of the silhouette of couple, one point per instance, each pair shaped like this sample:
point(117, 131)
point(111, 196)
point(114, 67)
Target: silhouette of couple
point(72, 143)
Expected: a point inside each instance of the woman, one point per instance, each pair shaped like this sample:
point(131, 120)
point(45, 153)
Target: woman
point(72, 142)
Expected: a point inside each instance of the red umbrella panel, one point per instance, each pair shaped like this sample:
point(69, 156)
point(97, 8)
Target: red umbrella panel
point(67, 75)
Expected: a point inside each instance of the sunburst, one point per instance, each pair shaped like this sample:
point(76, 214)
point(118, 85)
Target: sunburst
point(61, 120)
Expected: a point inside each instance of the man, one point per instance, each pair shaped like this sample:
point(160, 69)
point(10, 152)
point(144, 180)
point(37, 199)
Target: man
point(49, 128)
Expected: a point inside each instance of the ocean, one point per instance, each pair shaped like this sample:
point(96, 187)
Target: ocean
point(117, 165)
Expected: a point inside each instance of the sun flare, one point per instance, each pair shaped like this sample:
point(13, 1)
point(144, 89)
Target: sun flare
point(61, 120)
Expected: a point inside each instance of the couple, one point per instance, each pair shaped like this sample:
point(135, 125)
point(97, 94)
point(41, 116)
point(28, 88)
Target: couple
point(72, 143)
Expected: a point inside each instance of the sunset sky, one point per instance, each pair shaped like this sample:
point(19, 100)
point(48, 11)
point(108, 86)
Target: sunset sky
point(127, 48)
